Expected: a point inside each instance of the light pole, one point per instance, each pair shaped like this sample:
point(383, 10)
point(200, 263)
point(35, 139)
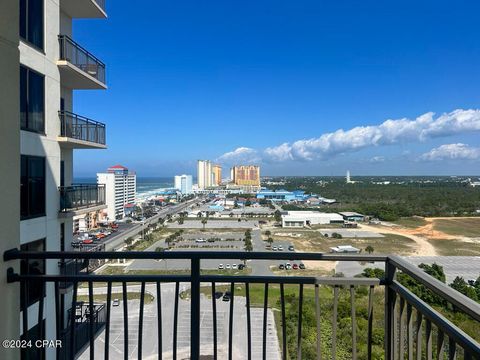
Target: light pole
point(143, 223)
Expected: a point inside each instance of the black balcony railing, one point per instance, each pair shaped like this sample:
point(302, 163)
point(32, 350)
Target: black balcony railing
point(81, 196)
point(75, 54)
point(430, 336)
point(81, 128)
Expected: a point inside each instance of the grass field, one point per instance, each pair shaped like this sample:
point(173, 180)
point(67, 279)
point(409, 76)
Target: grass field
point(449, 247)
point(469, 227)
point(411, 222)
point(313, 241)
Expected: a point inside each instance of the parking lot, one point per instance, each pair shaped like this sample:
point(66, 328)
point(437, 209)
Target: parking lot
point(150, 331)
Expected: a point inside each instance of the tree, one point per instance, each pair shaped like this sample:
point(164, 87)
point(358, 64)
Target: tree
point(278, 216)
point(199, 214)
point(369, 249)
point(336, 235)
point(180, 221)
point(462, 287)
point(270, 240)
point(204, 222)
point(268, 233)
point(231, 214)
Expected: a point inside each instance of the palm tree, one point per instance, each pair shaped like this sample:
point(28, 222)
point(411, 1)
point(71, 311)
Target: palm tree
point(204, 222)
point(268, 233)
point(369, 249)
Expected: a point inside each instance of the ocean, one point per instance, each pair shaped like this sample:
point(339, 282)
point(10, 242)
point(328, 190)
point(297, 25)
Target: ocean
point(146, 186)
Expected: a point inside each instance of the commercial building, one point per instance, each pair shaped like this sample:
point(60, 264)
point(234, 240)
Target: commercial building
point(307, 218)
point(40, 67)
point(282, 195)
point(217, 175)
point(120, 189)
point(352, 216)
point(183, 183)
point(245, 175)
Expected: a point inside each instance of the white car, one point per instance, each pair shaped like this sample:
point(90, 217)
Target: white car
point(274, 248)
point(288, 266)
point(220, 266)
point(280, 248)
point(200, 240)
point(227, 266)
point(234, 266)
point(116, 302)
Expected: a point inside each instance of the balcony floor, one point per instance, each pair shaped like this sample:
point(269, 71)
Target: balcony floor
point(71, 143)
point(75, 78)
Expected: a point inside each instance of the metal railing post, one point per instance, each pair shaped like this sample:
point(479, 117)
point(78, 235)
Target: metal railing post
point(195, 309)
point(390, 299)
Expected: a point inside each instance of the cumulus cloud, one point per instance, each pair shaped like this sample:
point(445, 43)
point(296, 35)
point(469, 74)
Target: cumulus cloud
point(389, 132)
point(241, 154)
point(457, 151)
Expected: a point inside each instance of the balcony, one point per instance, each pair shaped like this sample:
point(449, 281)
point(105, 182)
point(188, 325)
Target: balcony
point(78, 68)
point(264, 316)
point(84, 8)
point(80, 132)
point(81, 198)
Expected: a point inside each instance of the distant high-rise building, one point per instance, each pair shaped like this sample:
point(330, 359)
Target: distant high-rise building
point(120, 188)
point(217, 175)
point(204, 174)
point(183, 183)
point(349, 180)
point(245, 175)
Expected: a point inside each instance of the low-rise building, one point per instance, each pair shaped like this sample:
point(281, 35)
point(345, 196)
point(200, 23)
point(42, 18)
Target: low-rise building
point(307, 218)
point(344, 249)
point(352, 216)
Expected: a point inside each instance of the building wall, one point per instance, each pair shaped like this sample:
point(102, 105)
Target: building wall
point(120, 190)
point(246, 175)
point(204, 174)
point(9, 168)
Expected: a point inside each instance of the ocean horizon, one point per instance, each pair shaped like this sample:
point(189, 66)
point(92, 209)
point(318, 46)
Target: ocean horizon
point(146, 186)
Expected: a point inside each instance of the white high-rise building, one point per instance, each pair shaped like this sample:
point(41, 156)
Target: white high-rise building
point(183, 183)
point(120, 189)
point(348, 177)
point(40, 67)
point(204, 174)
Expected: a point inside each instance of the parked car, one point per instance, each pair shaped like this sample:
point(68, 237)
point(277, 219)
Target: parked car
point(227, 266)
point(288, 266)
point(218, 294)
point(87, 241)
point(220, 266)
point(200, 240)
point(291, 248)
point(281, 267)
point(234, 266)
point(280, 248)
point(301, 266)
point(241, 266)
point(295, 266)
point(115, 302)
point(274, 248)
point(226, 297)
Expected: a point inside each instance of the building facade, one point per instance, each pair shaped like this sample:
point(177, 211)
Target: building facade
point(204, 174)
point(183, 183)
point(217, 175)
point(120, 190)
point(245, 175)
point(41, 66)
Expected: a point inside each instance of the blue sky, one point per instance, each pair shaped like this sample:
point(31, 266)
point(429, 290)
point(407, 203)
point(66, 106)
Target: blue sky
point(283, 83)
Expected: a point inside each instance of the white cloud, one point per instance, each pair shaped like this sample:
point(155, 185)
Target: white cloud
point(377, 159)
point(239, 155)
point(457, 151)
point(389, 132)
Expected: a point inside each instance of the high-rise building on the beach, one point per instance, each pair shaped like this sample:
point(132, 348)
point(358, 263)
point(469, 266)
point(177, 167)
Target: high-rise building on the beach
point(120, 188)
point(204, 174)
point(217, 175)
point(183, 183)
point(245, 175)
point(40, 67)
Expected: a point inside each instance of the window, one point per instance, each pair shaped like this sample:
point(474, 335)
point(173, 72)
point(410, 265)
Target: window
point(31, 22)
point(34, 334)
point(35, 289)
point(31, 100)
point(32, 187)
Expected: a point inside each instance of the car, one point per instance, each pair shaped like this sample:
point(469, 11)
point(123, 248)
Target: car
point(220, 266)
point(241, 266)
point(288, 266)
point(281, 267)
point(200, 240)
point(218, 294)
point(280, 248)
point(234, 266)
point(87, 241)
point(226, 297)
point(291, 248)
point(116, 302)
point(301, 266)
point(274, 248)
point(227, 266)
point(295, 266)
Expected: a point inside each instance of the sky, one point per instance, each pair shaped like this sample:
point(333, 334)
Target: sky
point(297, 87)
